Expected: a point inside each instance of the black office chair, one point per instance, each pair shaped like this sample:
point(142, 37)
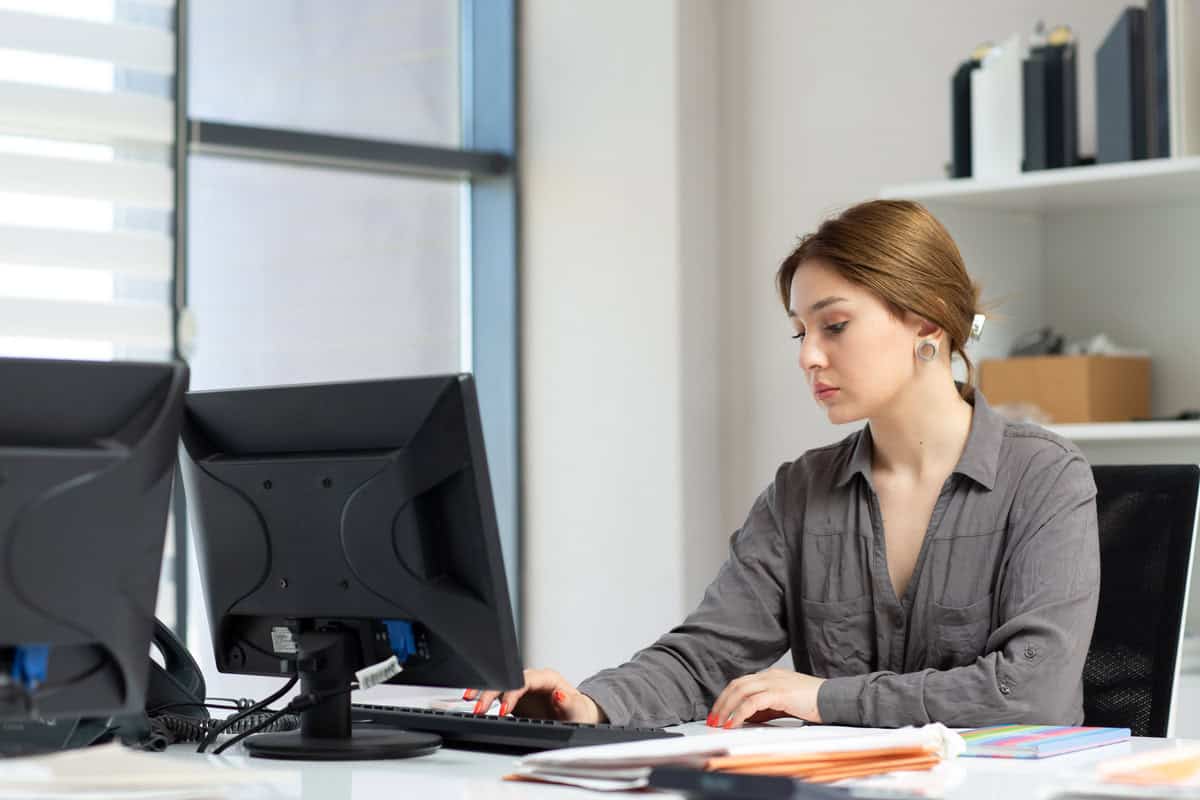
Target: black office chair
point(1147, 520)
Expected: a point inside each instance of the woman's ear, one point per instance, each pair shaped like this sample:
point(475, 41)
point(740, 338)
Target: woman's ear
point(927, 329)
point(923, 328)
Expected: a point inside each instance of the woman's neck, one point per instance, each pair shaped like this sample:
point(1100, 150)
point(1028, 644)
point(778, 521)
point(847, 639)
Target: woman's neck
point(924, 431)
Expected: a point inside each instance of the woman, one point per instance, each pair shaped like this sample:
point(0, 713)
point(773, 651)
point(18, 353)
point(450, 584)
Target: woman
point(941, 564)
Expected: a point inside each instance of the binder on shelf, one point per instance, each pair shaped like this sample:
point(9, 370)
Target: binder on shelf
point(1158, 89)
point(1037, 140)
point(1049, 79)
point(1121, 90)
point(960, 119)
point(997, 129)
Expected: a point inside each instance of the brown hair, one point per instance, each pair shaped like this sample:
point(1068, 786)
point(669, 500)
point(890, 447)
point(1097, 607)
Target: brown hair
point(899, 251)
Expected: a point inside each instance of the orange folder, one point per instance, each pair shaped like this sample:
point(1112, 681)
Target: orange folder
point(830, 766)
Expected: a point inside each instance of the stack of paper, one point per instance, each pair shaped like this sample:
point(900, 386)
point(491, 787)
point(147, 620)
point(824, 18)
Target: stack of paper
point(816, 753)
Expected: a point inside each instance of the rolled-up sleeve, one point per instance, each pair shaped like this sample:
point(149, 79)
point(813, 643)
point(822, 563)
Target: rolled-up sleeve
point(739, 627)
point(1048, 590)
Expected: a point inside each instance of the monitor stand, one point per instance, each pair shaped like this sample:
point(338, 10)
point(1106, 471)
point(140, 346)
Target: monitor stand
point(325, 732)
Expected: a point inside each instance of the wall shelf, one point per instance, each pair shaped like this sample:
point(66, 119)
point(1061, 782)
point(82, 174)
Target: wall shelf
point(1152, 182)
point(1128, 431)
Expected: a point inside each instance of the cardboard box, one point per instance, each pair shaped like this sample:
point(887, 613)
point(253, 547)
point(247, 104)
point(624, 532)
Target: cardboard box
point(1072, 388)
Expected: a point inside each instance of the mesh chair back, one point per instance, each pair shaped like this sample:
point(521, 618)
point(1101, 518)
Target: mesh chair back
point(1147, 517)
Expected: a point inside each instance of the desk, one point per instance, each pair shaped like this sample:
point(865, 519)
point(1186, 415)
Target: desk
point(476, 776)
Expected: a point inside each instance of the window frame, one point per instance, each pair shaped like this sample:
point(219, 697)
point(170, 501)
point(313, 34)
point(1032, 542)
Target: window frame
point(486, 161)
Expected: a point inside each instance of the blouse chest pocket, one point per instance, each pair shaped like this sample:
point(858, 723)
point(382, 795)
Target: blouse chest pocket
point(959, 634)
point(839, 636)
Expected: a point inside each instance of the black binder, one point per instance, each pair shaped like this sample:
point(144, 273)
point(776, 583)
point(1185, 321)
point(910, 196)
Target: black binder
point(1121, 91)
point(1051, 107)
point(960, 119)
point(1158, 102)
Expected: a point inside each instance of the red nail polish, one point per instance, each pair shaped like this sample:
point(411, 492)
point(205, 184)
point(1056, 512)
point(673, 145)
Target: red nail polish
point(709, 720)
point(503, 709)
point(467, 694)
point(478, 707)
point(728, 724)
point(559, 697)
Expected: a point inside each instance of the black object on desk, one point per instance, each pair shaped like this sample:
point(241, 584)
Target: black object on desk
point(699, 783)
point(345, 526)
point(87, 457)
point(498, 734)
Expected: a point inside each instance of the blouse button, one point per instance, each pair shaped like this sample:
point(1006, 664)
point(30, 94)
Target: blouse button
point(1029, 651)
point(1004, 688)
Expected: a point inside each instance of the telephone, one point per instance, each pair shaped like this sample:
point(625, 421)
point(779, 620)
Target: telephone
point(175, 702)
point(175, 696)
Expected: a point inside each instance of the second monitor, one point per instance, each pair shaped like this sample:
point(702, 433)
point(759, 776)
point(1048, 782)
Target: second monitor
point(338, 525)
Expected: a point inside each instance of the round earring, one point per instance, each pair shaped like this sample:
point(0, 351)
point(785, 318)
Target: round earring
point(927, 350)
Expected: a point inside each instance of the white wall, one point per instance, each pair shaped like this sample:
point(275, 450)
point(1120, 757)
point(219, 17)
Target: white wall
point(698, 134)
point(619, 291)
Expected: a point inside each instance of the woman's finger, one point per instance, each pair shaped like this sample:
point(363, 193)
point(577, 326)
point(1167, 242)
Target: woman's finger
point(485, 702)
point(731, 697)
point(760, 701)
point(509, 699)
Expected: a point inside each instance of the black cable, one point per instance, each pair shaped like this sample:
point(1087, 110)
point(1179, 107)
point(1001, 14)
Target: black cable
point(221, 706)
point(299, 704)
point(193, 729)
point(241, 702)
point(252, 730)
point(261, 704)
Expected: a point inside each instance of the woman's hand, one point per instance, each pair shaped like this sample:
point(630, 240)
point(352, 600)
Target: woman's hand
point(767, 695)
point(546, 695)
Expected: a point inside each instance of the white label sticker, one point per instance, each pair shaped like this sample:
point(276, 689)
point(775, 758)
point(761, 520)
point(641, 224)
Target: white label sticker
point(282, 640)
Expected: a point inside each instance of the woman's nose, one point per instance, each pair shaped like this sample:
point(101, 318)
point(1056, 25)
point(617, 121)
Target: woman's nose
point(810, 355)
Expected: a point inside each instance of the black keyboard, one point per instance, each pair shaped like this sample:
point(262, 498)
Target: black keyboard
point(499, 734)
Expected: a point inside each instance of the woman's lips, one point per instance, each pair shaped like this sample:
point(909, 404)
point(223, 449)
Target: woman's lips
point(824, 391)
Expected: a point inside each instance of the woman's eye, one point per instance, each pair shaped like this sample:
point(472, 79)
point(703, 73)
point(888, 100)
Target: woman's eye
point(799, 336)
point(837, 327)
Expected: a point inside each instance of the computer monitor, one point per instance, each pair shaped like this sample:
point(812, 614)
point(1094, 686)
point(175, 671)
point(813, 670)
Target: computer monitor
point(339, 524)
point(87, 458)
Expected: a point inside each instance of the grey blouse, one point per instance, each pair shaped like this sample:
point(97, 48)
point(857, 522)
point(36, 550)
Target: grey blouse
point(994, 625)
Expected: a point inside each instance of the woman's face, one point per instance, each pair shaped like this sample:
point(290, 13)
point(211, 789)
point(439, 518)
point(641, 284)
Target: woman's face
point(856, 354)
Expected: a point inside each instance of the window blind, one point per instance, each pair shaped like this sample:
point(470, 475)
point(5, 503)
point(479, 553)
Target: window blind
point(87, 130)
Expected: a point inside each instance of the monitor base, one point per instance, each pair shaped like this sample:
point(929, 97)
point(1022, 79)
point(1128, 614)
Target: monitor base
point(361, 745)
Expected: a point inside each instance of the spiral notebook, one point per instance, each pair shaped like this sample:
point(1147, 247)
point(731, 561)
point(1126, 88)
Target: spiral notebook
point(1037, 741)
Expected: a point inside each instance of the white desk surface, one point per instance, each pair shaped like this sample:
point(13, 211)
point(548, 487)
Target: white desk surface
point(474, 775)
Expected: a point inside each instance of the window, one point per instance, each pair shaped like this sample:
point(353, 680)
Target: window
point(351, 208)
